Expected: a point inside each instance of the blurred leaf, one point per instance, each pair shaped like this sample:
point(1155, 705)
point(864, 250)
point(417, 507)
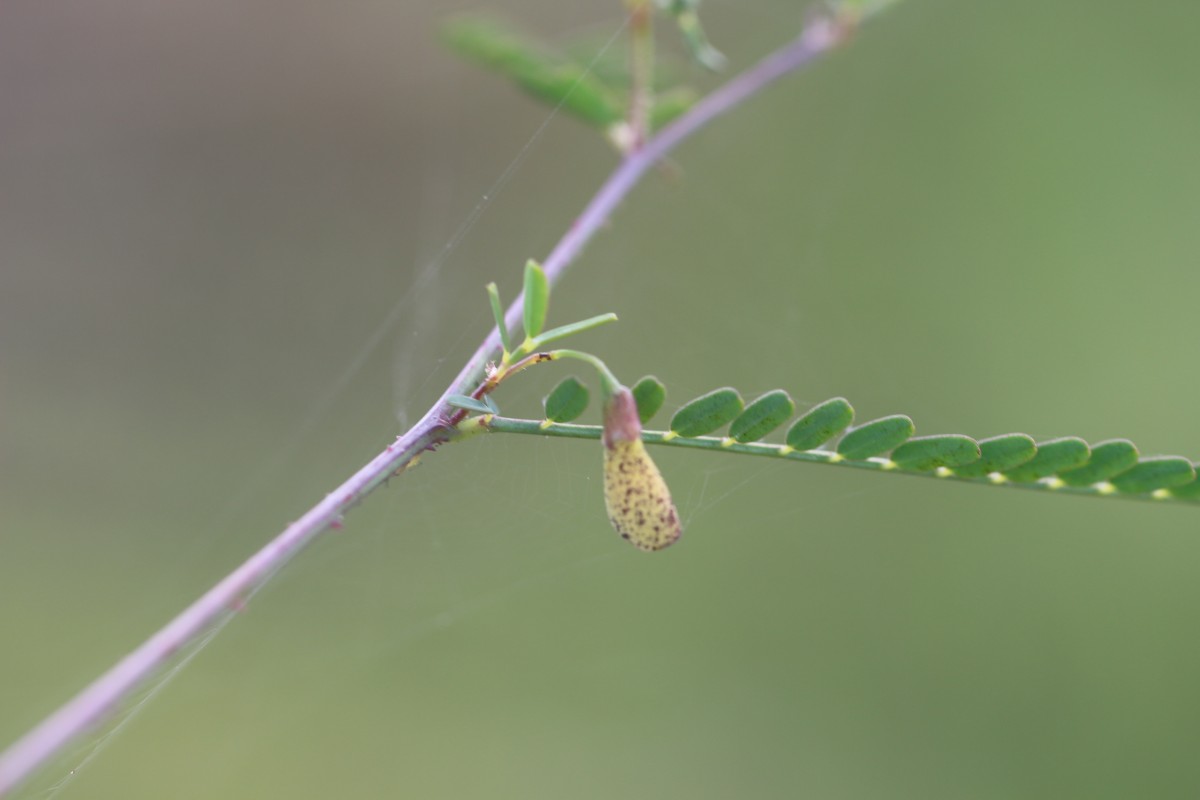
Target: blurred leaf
point(876, 437)
point(609, 62)
point(649, 394)
point(1156, 472)
point(469, 404)
point(822, 422)
point(567, 401)
point(548, 76)
point(930, 452)
point(762, 416)
point(694, 37)
point(1052, 456)
point(671, 104)
point(999, 453)
point(707, 413)
point(537, 298)
point(1108, 459)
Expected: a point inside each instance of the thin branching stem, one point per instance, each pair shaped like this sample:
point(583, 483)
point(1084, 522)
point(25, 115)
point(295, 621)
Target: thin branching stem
point(607, 379)
point(98, 701)
point(641, 70)
point(498, 424)
point(503, 373)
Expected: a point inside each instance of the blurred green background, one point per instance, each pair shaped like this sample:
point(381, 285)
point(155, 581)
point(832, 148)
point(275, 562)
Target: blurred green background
point(225, 283)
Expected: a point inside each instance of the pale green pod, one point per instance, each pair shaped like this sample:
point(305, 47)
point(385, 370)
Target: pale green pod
point(636, 496)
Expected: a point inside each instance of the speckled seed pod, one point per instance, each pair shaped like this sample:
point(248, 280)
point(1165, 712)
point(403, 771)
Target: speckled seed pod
point(635, 494)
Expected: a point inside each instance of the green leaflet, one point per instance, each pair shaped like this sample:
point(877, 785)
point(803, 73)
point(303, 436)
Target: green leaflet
point(999, 453)
point(930, 452)
point(875, 437)
point(1189, 491)
point(1156, 472)
point(820, 424)
point(1108, 459)
point(1052, 456)
point(535, 304)
point(550, 77)
point(537, 299)
point(563, 331)
point(567, 401)
point(707, 413)
point(471, 404)
point(649, 394)
point(762, 416)
point(498, 315)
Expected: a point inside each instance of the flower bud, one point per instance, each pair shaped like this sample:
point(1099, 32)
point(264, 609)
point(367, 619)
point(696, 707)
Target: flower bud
point(635, 494)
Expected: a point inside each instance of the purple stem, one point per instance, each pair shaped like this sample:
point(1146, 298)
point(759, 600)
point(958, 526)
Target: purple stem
point(100, 699)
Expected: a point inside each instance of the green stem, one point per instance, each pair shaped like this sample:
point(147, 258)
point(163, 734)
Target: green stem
point(506, 371)
point(497, 424)
point(607, 380)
